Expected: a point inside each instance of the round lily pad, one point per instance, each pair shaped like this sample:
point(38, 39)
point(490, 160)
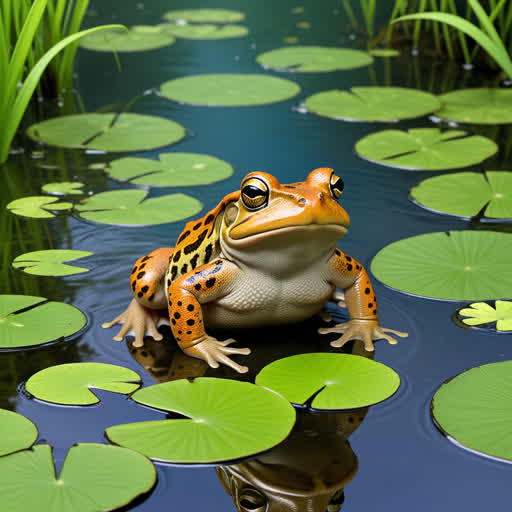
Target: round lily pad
point(129, 208)
point(133, 40)
point(94, 477)
point(229, 90)
point(107, 132)
point(372, 104)
point(27, 321)
point(427, 149)
point(37, 207)
point(204, 31)
point(465, 194)
point(228, 420)
point(63, 188)
point(384, 52)
point(474, 409)
point(50, 262)
point(483, 315)
point(171, 170)
point(332, 381)
point(205, 15)
point(478, 106)
point(308, 59)
point(16, 432)
point(71, 384)
point(457, 265)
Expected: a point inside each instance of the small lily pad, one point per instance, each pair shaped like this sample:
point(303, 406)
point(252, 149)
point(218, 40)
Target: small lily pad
point(228, 420)
point(16, 432)
point(334, 381)
point(480, 313)
point(229, 90)
point(474, 409)
point(37, 207)
point(172, 170)
point(304, 25)
point(107, 132)
point(133, 40)
point(205, 15)
point(94, 477)
point(130, 208)
point(71, 384)
point(465, 194)
point(425, 149)
point(306, 59)
point(204, 31)
point(63, 188)
point(457, 265)
point(372, 104)
point(27, 321)
point(50, 262)
point(384, 52)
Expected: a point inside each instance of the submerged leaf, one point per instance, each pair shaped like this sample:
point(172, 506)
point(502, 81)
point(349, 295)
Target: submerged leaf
point(37, 207)
point(16, 432)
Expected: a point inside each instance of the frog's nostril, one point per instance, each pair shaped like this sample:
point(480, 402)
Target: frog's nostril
point(302, 201)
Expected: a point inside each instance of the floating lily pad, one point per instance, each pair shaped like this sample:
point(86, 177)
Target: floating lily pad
point(71, 384)
point(465, 194)
point(474, 409)
point(372, 104)
point(129, 208)
point(205, 15)
point(458, 265)
point(94, 477)
point(37, 207)
point(63, 188)
point(479, 106)
point(426, 149)
point(228, 420)
point(50, 262)
point(384, 52)
point(304, 25)
point(16, 432)
point(27, 321)
point(229, 90)
point(336, 381)
point(482, 314)
point(307, 59)
point(172, 170)
point(107, 132)
point(205, 31)
point(133, 40)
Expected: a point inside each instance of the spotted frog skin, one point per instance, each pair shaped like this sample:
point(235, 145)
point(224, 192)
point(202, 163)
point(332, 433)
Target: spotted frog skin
point(265, 255)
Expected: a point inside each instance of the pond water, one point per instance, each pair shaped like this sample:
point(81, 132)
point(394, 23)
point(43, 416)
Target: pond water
point(404, 462)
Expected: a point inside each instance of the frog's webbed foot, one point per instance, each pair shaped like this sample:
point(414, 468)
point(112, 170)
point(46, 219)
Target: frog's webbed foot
point(139, 318)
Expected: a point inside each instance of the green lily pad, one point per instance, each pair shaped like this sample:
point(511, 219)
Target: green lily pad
point(205, 31)
point(474, 409)
point(27, 321)
point(306, 59)
point(172, 170)
point(384, 52)
point(479, 313)
point(465, 194)
point(50, 262)
point(205, 15)
point(304, 25)
point(133, 40)
point(107, 132)
point(16, 432)
point(228, 420)
point(63, 188)
point(229, 90)
point(336, 381)
point(37, 207)
point(71, 384)
point(372, 104)
point(94, 477)
point(458, 265)
point(425, 149)
point(129, 208)
point(478, 106)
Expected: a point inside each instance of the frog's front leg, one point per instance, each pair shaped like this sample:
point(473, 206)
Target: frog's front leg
point(185, 295)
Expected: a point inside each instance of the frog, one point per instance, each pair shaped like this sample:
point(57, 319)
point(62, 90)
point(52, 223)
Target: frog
point(265, 255)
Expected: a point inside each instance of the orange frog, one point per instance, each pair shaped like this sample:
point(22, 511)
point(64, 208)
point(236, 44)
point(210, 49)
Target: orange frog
point(265, 255)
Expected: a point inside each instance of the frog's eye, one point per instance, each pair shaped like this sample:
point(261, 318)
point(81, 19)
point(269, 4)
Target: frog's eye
point(336, 185)
point(254, 194)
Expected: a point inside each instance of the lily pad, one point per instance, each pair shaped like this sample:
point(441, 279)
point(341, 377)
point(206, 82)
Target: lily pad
point(37, 207)
point(306, 59)
point(457, 265)
point(372, 104)
point(63, 188)
point(172, 170)
point(334, 381)
point(133, 40)
point(229, 90)
point(465, 194)
point(107, 132)
point(27, 321)
point(205, 15)
point(478, 106)
point(50, 262)
point(129, 208)
point(16, 432)
point(384, 52)
point(71, 384)
point(474, 409)
point(480, 313)
point(94, 477)
point(228, 420)
point(204, 31)
point(425, 149)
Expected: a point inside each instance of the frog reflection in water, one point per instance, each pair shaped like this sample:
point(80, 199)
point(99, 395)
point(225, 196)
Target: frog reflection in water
point(265, 255)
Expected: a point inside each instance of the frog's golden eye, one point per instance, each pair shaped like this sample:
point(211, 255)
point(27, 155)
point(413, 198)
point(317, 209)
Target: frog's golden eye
point(336, 185)
point(254, 194)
